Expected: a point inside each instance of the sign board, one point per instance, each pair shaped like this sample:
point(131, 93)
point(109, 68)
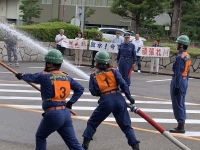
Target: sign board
point(78, 12)
point(75, 21)
point(74, 44)
point(167, 28)
point(153, 51)
point(104, 46)
point(113, 48)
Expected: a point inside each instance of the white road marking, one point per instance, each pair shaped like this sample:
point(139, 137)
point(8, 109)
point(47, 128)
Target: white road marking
point(161, 80)
point(92, 100)
point(158, 80)
point(36, 67)
point(5, 72)
point(93, 108)
point(21, 85)
point(31, 91)
point(158, 120)
point(190, 133)
point(80, 79)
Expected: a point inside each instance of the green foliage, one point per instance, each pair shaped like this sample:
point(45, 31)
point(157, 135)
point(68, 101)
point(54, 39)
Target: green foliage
point(88, 12)
point(46, 32)
point(30, 10)
point(190, 20)
point(55, 20)
point(194, 52)
point(138, 10)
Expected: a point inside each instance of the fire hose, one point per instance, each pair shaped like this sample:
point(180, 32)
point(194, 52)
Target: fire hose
point(33, 85)
point(158, 127)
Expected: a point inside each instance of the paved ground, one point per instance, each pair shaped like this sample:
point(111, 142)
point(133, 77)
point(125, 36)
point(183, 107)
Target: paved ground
point(20, 106)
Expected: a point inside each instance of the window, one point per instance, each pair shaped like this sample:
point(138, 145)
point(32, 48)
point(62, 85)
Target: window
point(101, 3)
point(46, 1)
point(89, 2)
point(111, 32)
point(109, 2)
point(76, 2)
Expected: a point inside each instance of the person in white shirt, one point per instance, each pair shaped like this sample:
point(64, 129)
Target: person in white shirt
point(138, 44)
point(155, 59)
point(118, 40)
point(78, 52)
point(58, 41)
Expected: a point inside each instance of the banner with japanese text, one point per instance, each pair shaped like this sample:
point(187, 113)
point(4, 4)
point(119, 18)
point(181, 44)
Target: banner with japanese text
point(104, 46)
point(74, 44)
point(153, 51)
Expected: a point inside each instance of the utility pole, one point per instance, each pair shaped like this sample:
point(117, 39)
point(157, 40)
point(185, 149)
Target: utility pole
point(59, 2)
point(83, 16)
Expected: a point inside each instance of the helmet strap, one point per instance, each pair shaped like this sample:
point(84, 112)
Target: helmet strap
point(180, 46)
point(50, 67)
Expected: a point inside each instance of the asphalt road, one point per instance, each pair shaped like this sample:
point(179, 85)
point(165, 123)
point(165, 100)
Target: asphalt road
point(20, 108)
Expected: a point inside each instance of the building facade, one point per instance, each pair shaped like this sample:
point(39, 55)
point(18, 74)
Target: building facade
point(65, 10)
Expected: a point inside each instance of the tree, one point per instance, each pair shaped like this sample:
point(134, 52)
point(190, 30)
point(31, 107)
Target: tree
point(30, 10)
point(176, 18)
point(190, 19)
point(88, 12)
point(138, 10)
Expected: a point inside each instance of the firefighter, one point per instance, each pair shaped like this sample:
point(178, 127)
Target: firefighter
point(179, 83)
point(55, 88)
point(126, 58)
point(104, 82)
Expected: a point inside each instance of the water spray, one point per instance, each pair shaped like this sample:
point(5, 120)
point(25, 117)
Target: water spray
point(29, 42)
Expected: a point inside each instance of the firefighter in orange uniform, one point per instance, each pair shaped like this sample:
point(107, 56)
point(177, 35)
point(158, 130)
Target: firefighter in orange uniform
point(104, 82)
point(55, 88)
point(179, 83)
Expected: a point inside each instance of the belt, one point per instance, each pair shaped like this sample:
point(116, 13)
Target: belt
point(55, 108)
point(182, 77)
point(109, 92)
point(125, 57)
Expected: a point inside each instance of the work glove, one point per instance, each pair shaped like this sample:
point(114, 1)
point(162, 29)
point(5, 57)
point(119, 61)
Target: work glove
point(18, 76)
point(132, 100)
point(176, 91)
point(69, 105)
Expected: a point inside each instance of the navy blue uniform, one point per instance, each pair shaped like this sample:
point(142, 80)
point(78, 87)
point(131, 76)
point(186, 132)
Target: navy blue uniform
point(104, 83)
point(55, 120)
point(180, 81)
point(126, 58)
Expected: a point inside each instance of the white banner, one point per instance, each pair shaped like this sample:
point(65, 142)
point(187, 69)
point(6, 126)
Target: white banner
point(113, 48)
point(104, 46)
point(74, 44)
point(153, 51)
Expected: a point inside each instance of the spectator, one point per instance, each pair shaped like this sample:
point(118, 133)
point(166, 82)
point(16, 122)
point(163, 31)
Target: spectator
point(12, 46)
point(98, 38)
point(138, 44)
point(78, 52)
point(118, 40)
point(58, 41)
point(155, 59)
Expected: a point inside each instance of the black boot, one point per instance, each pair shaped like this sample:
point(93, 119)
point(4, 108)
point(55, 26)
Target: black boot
point(135, 147)
point(86, 143)
point(179, 129)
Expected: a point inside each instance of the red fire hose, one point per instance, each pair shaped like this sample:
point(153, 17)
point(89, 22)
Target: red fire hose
point(158, 127)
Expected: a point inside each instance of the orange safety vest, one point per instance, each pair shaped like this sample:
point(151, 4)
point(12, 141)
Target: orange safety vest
point(61, 87)
point(105, 80)
point(186, 56)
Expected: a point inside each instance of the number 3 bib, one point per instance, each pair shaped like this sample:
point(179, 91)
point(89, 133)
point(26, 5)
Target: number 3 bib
point(106, 81)
point(61, 89)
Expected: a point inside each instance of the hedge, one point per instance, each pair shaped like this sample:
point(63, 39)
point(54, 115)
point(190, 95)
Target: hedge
point(47, 31)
